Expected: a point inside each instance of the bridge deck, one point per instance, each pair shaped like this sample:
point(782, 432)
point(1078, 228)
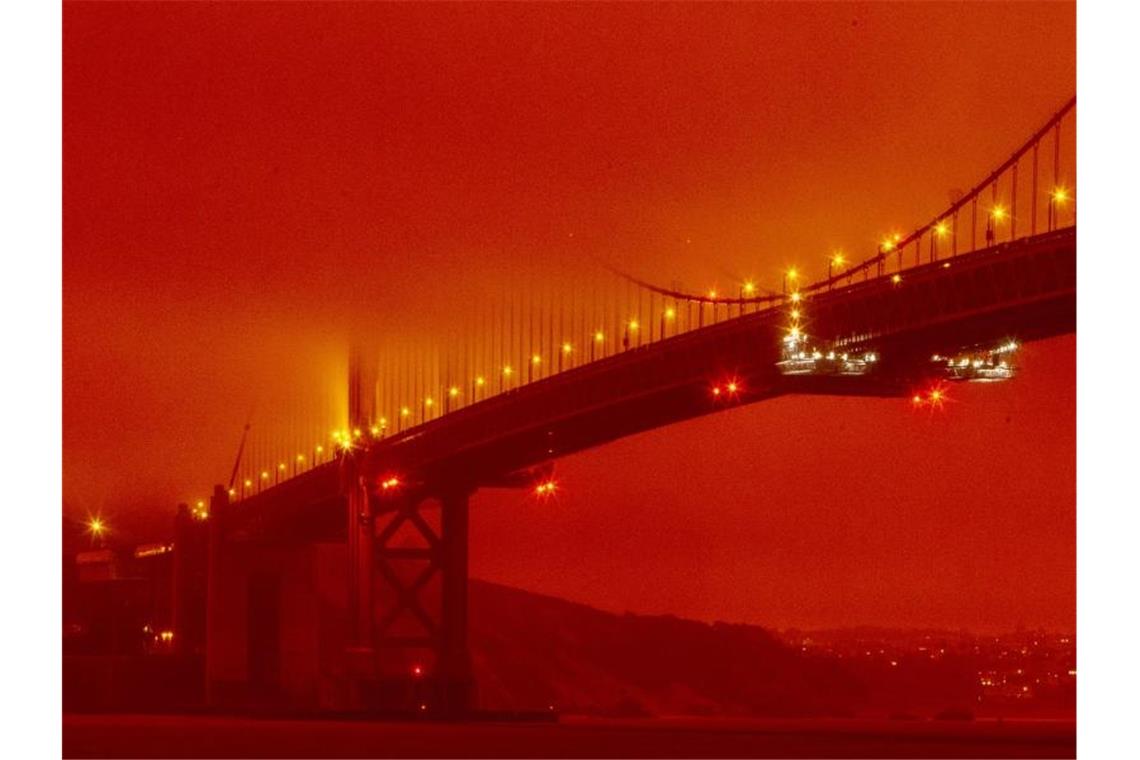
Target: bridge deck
point(1025, 289)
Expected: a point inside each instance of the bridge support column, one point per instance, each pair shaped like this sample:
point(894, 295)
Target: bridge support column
point(447, 688)
point(215, 578)
point(456, 683)
point(360, 645)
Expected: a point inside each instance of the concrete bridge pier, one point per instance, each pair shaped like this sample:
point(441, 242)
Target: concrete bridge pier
point(456, 683)
point(216, 572)
point(433, 615)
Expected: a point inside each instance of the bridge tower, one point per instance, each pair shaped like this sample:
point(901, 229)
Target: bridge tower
point(378, 595)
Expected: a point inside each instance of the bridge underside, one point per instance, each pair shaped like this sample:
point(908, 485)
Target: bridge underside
point(1024, 291)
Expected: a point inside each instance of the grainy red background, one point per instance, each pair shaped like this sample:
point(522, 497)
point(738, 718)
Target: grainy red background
point(244, 181)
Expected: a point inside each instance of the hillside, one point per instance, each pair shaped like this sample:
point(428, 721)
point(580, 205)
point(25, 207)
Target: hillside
point(531, 651)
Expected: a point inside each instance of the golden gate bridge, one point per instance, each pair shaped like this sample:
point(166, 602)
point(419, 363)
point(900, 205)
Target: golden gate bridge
point(367, 525)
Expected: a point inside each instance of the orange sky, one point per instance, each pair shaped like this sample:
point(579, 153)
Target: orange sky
point(243, 182)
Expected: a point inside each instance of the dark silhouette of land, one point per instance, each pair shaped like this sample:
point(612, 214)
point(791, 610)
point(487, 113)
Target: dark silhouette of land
point(640, 686)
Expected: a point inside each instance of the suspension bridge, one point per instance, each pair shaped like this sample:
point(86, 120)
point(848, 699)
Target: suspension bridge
point(380, 506)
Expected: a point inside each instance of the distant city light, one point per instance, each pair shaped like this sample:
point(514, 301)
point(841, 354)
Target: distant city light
point(545, 488)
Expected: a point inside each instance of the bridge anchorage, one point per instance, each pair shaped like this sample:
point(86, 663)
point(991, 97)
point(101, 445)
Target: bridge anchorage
point(344, 587)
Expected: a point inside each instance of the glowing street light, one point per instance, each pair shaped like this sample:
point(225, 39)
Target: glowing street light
point(835, 261)
point(748, 288)
point(1057, 198)
point(997, 214)
point(790, 276)
point(631, 329)
point(96, 527)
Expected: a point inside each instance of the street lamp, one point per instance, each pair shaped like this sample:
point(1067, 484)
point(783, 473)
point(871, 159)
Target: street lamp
point(790, 275)
point(1056, 199)
point(997, 214)
point(836, 260)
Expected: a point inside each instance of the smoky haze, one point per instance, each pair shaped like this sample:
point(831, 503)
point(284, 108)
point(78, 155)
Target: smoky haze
point(247, 186)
